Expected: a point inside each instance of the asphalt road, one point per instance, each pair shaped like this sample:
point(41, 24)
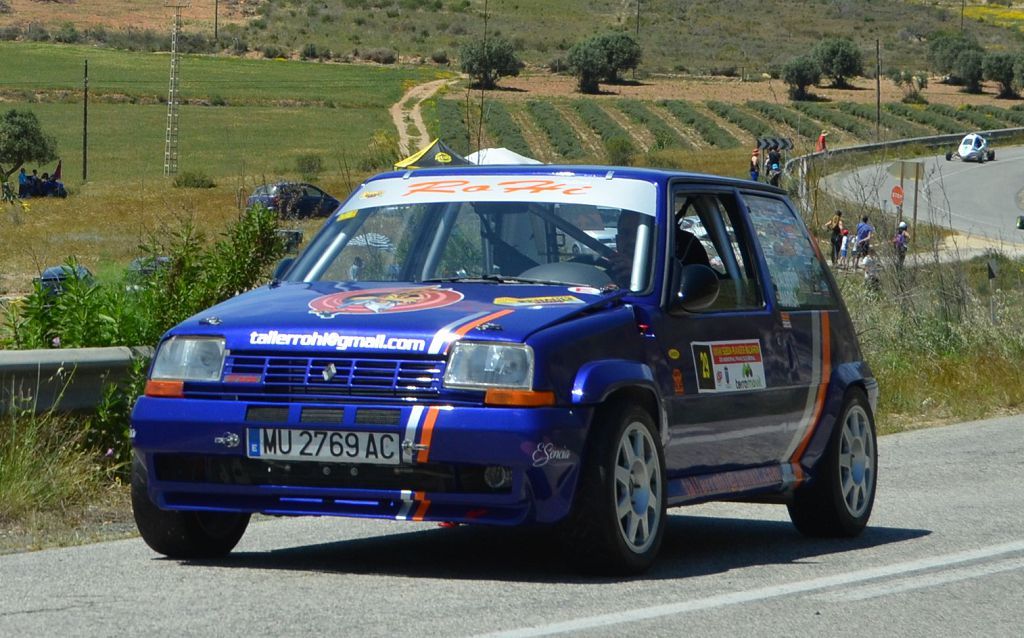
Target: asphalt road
point(981, 200)
point(943, 556)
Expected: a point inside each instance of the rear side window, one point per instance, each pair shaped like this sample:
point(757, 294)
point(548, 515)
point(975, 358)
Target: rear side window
point(797, 272)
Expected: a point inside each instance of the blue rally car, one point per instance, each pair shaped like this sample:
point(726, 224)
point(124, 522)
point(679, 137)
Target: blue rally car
point(439, 352)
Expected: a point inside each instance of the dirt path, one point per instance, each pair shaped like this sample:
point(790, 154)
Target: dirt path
point(406, 114)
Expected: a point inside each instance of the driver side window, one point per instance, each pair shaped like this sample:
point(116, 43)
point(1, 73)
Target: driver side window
point(706, 231)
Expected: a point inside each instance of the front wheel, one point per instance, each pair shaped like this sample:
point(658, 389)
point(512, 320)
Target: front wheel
point(838, 501)
point(618, 518)
point(183, 534)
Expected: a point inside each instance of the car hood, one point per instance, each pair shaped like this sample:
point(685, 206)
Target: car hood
point(387, 317)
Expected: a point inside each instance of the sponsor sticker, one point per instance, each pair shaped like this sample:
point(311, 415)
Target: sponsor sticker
point(336, 340)
point(728, 366)
point(349, 214)
point(547, 452)
point(371, 194)
point(584, 290)
point(557, 300)
point(379, 301)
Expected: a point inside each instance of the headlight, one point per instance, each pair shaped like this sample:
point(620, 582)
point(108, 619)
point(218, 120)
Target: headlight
point(189, 359)
point(489, 365)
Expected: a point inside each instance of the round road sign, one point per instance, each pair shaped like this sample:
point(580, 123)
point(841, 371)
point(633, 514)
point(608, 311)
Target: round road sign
point(897, 195)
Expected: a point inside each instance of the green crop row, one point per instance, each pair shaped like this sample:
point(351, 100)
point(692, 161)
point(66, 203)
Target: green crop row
point(1011, 116)
point(503, 128)
point(451, 126)
point(664, 135)
point(931, 119)
point(712, 133)
point(897, 126)
point(753, 125)
point(561, 135)
point(599, 121)
point(970, 117)
point(834, 117)
point(776, 112)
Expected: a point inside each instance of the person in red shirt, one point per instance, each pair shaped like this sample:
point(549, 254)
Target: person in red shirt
point(821, 145)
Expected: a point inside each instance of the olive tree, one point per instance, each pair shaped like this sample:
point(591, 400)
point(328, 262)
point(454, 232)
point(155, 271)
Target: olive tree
point(998, 67)
point(800, 73)
point(839, 59)
point(621, 53)
point(488, 60)
point(22, 140)
point(945, 48)
point(968, 68)
point(602, 58)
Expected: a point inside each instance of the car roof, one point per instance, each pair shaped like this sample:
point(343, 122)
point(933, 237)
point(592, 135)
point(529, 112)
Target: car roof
point(656, 175)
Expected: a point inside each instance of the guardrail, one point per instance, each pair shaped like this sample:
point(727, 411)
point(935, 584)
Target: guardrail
point(63, 380)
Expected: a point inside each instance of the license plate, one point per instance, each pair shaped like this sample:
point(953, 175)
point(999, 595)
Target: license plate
point(378, 448)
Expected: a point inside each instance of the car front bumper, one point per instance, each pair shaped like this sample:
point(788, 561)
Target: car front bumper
point(195, 456)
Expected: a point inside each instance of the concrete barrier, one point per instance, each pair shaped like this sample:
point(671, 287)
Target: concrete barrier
point(63, 380)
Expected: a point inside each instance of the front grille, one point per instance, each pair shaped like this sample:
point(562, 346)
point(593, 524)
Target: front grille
point(276, 378)
point(234, 470)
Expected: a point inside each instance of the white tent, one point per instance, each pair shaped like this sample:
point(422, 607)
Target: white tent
point(499, 156)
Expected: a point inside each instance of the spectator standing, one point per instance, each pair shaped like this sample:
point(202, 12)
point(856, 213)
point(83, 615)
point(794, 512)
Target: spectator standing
point(865, 231)
point(774, 165)
point(22, 184)
point(835, 225)
point(901, 241)
point(844, 250)
point(755, 164)
point(822, 145)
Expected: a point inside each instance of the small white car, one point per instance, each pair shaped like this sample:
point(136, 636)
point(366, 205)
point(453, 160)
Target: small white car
point(973, 148)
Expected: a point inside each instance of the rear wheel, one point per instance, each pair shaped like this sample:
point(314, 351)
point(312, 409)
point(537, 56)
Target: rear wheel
point(839, 499)
point(618, 517)
point(949, 156)
point(183, 534)
point(991, 155)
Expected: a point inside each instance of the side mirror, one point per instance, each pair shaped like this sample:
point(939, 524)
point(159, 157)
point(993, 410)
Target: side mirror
point(282, 268)
point(697, 289)
point(1020, 222)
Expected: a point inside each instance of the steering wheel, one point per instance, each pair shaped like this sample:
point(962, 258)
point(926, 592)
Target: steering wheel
point(599, 261)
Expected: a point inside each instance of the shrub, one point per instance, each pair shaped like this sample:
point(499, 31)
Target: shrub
point(559, 64)
point(712, 133)
point(664, 135)
point(439, 56)
point(218, 100)
point(912, 85)
point(193, 179)
point(839, 58)
point(503, 128)
point(487, 61)
point(309, 51)
point(968, 68)
point(998, 67)
point(67, 34)
point(10, 32)
point(272, 51)
point(382, 151)
point(620, 150)
point(799, 74)
point(561, 135)
point(36, 32)
point(309, 166)
point(380, 55)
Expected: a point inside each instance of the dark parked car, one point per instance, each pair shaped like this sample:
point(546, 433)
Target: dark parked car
point(293, 200)
point(53, 279)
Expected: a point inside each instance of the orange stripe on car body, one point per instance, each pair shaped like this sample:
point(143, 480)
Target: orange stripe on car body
point(427, 433)
point(462, 330)
point(421, 509)
point(819, 403)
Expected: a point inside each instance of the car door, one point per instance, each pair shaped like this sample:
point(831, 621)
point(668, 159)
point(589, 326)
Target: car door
point(735, 388)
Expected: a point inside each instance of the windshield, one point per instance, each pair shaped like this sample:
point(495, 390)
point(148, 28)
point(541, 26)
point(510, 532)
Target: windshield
point(529, 240)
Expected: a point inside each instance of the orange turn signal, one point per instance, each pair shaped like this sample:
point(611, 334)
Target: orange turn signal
point(170, 389)
point(519, 398)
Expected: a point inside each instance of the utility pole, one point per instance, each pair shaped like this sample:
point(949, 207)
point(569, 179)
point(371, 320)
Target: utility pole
point(85, 123)
point(216, 15)
point(171, 138)
point(878, 89)
point(963, 5)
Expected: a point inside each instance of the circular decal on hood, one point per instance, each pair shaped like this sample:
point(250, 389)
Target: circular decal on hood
point(378, 301)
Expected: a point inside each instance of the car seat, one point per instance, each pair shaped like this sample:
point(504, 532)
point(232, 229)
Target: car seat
point(689, 250)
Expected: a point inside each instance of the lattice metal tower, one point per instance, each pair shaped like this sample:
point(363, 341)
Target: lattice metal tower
point(173, 97)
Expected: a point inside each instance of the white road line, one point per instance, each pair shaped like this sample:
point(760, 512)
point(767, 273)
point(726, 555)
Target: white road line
point(761, 593)
point(911, 583)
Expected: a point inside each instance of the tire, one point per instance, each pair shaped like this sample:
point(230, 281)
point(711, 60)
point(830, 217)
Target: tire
point(183, 534)
point(839, 498)
point(618, 518)
point(949, 156)
point(991, 156)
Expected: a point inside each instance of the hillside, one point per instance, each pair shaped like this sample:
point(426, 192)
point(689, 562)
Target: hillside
point(731, 37)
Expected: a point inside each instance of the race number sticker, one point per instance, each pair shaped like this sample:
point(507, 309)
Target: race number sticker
point(728, 366)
